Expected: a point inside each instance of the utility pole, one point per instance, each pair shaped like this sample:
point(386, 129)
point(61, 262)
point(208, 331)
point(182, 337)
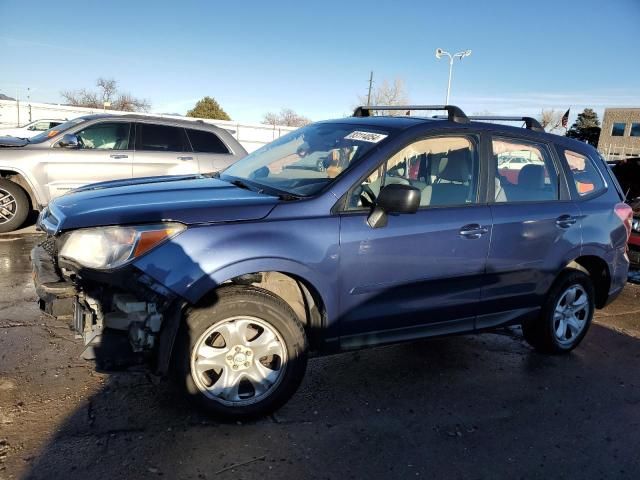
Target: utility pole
point(29, 102)
point(18, 103)
point(370, 87)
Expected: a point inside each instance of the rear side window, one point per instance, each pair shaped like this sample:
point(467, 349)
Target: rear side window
point(586, 176)
point(161, 138)
point(524, 172)
point(206, 142)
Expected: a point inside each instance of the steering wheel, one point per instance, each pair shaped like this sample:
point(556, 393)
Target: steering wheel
point(366, 195)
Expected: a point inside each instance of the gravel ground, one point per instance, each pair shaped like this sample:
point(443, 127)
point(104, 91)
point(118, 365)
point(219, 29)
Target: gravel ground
point(476, 406)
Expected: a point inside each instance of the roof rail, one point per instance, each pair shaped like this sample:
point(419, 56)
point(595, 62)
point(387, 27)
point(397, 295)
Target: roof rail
point(455, 114)
point(530, 122)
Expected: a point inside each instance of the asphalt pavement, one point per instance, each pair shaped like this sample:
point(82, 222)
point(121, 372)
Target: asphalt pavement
point(475, 406)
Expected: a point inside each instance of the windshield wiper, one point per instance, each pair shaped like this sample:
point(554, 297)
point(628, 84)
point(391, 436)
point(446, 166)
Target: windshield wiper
point(288, 197)
point(240, 184)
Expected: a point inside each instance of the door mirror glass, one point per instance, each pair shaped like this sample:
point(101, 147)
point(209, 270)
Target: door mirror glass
point(69, 140)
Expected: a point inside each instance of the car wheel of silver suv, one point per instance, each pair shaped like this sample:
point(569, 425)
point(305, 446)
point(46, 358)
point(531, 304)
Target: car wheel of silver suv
point(14, 206)
point(243, 355)
point(565, 317)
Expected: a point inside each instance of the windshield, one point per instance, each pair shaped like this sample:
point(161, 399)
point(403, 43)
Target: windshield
point(306, 160)
point(52, 132)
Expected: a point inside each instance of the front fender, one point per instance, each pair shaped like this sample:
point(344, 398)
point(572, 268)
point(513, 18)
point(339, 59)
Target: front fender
point(202, 258)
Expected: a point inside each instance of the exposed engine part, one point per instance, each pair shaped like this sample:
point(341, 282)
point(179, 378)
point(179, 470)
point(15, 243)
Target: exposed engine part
point(141, 319)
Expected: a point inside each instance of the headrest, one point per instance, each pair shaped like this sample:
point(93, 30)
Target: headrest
point(456, 167)
point(531, 176)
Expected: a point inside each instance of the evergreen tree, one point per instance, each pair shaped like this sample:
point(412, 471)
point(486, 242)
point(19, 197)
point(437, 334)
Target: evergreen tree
point(208, 108)
point(586, 127)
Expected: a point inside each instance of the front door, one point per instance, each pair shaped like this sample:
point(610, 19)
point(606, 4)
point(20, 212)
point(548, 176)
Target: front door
point(104, 153)
point(421, 273)
point(163, 150)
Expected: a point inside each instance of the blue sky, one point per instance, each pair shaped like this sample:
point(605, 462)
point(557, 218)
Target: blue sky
point(315, 57)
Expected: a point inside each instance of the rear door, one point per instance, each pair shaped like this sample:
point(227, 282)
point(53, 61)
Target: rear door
point(104, 153)
point(163, 150)
point(536, 228)
point(213, 154)
point(422, 273)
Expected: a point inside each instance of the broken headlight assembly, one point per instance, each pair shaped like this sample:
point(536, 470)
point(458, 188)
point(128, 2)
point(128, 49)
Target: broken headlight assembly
point(105, 248)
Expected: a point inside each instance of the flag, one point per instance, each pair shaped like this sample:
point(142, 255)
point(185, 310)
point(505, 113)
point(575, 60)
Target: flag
point(565, 119)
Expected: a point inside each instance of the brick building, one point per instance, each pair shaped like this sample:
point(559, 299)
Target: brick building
point(620, 135)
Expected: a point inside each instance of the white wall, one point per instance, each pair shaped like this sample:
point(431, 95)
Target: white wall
point(250, 135)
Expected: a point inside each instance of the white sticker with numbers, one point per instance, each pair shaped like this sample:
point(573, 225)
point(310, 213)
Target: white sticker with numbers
point(370, 137)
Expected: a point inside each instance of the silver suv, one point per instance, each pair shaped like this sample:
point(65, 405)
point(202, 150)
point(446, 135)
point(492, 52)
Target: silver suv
point(97, 148)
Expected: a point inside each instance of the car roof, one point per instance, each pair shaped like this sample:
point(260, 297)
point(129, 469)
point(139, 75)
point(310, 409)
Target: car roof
point(402, 122)
point(195, 123)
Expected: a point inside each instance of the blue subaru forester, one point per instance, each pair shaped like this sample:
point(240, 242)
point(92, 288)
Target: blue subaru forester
point(343, 234)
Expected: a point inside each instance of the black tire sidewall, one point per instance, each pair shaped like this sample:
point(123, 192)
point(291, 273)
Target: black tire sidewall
point(237, 301)
point(22, 206)
point(567, 279)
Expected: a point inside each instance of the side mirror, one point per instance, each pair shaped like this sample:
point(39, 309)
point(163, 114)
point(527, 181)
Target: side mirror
point(69, 140)
point(394, 198)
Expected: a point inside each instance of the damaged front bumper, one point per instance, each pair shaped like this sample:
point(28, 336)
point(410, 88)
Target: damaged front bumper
point(123, 317)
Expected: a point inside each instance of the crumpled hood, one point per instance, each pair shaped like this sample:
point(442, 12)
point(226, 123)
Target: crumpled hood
point(186, 199)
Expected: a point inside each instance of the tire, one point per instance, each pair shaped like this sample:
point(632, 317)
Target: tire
point(243, 356)
point(14, 206)
point(563, 323)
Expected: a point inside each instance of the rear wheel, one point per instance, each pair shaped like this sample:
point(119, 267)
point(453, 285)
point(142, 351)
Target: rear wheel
point(243, 356)
point(14, 206)
point(565, 317)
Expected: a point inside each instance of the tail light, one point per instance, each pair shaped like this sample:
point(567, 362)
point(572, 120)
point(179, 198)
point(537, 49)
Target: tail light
point(625, 213)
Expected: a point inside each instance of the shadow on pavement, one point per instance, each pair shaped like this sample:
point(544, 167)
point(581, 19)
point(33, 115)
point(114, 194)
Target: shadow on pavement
point(482, 406)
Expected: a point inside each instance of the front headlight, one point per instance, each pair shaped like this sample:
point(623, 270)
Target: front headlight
point(110, 247)
point(635, 225)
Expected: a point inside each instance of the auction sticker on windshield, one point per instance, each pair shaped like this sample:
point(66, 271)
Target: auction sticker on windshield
point(371, 137)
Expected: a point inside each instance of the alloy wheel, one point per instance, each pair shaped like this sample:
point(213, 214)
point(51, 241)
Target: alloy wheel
point(571, 314)
point(238, 361)
point(8, 206)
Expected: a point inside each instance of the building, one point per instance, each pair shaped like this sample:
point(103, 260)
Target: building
point(620, 135)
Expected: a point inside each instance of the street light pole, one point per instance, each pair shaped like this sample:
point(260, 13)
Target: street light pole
point(460, 55)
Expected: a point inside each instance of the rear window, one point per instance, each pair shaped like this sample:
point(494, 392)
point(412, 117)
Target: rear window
point(161, 138)
point(586, 176)
point(206, 142)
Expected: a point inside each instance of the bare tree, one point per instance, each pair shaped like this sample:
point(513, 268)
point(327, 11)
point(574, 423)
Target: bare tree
point(286, 117)
point(388, 93)
point(107, 93)
point(550, 119)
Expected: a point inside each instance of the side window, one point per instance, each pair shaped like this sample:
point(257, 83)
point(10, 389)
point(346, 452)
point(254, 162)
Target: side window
point(444, 169)
point(206, 142)
point(524, 172)
point(585, 175)
point(105, 136)
point(161, 138)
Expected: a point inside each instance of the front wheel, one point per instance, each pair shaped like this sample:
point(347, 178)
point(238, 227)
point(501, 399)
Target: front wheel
point(14, 206)
point(565, 317)
point(243, 356)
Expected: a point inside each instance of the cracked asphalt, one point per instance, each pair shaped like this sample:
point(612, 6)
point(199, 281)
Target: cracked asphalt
point(476, 406)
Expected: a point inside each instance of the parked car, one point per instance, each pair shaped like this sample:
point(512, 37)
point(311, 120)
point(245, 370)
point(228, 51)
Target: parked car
point(229, 283)
point(104, 147)
point(628, 174)
point(31, 129)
